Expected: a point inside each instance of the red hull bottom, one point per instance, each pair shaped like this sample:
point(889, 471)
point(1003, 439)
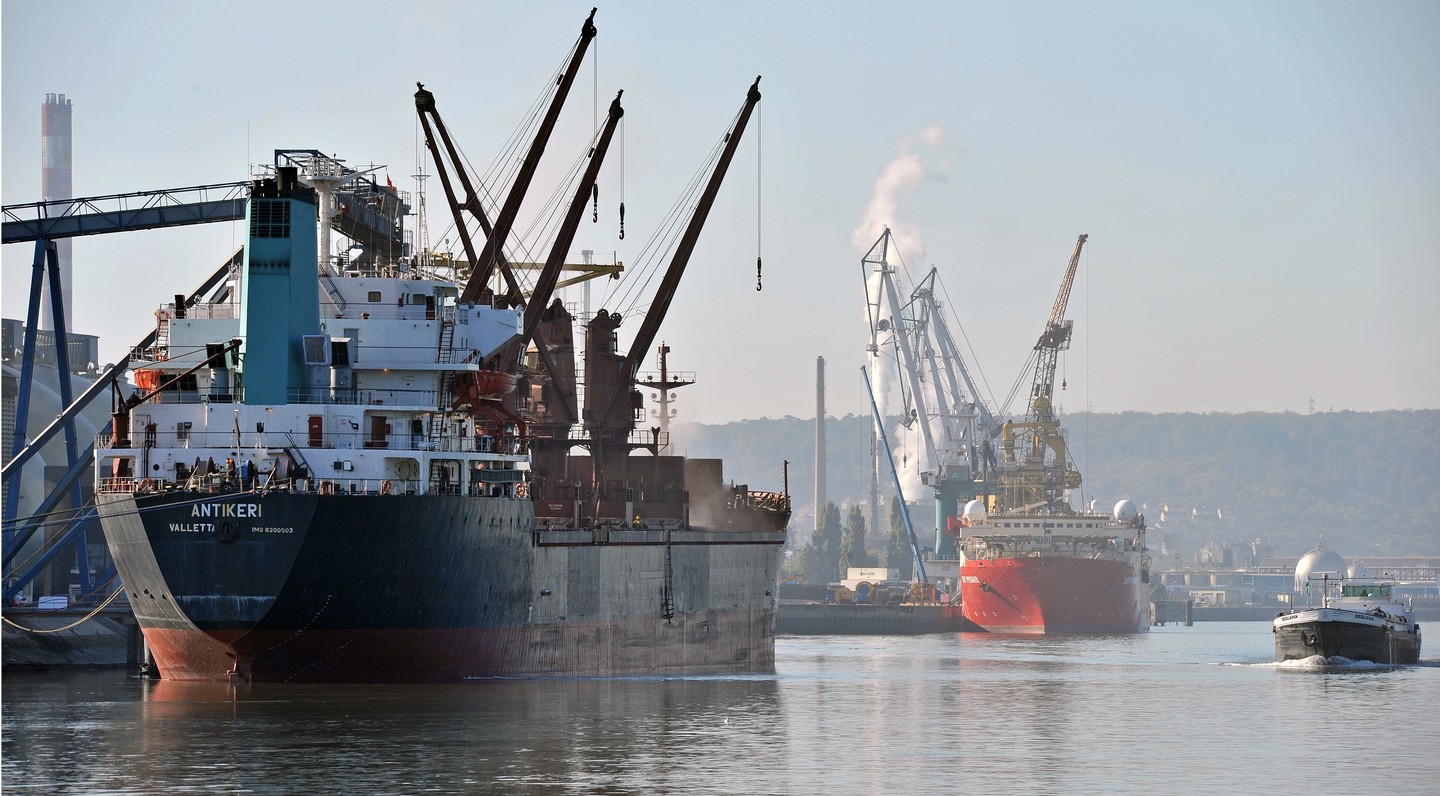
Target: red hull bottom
point(1054, 595)
point(717, 643)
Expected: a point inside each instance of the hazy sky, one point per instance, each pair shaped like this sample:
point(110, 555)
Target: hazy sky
point(1260, 180)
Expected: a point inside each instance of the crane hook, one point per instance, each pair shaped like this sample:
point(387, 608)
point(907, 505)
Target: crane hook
point(595, 198)
point(622, 221)
point(757, 274)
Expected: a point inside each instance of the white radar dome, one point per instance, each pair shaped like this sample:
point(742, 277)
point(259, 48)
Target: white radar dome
point(1125, 511)
point(975, 512)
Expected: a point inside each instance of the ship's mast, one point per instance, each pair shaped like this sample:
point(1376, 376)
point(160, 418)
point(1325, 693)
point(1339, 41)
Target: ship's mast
point(668, 381)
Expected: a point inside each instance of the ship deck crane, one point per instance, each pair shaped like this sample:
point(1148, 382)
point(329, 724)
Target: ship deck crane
point(608, 392)
point(1039, 476)
point(484, 263)
point(491, 258)
point(612, 399)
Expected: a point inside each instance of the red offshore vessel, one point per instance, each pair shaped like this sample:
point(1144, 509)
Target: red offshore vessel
point(1035, 572)
point(1037, 565)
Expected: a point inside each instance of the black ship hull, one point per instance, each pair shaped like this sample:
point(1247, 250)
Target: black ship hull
point(386, 588)
point(1331, 637)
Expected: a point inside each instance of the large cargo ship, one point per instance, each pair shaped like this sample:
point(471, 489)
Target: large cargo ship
point(351, 468)
point(1029, 561)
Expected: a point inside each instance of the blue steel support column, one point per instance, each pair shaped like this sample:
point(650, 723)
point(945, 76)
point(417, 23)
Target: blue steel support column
point(895, 474)
point(17, 537)
point(76, 531)
point(67, 397)
point(27, 373)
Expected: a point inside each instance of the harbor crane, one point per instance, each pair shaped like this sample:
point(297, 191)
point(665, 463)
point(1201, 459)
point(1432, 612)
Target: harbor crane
point(937, 392)
point(1035, 465)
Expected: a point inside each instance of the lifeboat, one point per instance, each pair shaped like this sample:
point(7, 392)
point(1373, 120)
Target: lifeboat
point(484, 385)
point(146, 380)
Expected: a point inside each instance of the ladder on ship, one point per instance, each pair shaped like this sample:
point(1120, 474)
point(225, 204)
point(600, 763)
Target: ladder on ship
point(445, 348)
point(667, 600)
point(441, 481)
point(328, 281)
point(162, 338)
point(443, 355)
point(436, 435)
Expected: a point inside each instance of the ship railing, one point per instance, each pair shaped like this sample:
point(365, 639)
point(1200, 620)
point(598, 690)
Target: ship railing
point(638, 437)
point(399, 356)
point(501, 448)
point(200, 311)
point(769, 501)
point(493, 488)
point(386, 312)
point(337, 396)
point(194, 397)
point(622, 492)
point(213, 483)
point(355, 486)
point(390, 399)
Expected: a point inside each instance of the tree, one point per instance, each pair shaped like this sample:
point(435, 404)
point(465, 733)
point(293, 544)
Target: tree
point(898, 553)
point(795, 554)
point(853, 552)
point(822, 555)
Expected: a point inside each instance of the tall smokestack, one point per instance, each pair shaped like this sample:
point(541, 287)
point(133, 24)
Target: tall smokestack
point(55, 184)
point(819, 439)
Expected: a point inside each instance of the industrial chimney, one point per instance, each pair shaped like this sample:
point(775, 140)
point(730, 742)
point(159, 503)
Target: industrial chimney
point(55, 184)
point(819, 439)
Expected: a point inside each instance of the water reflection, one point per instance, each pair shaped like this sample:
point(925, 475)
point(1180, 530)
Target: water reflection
point(1185, 710)
point(535, 735)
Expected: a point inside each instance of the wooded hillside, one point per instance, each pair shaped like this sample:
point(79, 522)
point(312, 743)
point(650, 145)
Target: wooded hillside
point(1368, 481)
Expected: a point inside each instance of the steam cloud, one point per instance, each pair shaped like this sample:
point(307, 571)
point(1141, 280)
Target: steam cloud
point(900, 176)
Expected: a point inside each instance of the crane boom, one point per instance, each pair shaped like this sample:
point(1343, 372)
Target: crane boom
point(1055, 326)
point(550, 274)
point(437, 135)
point(1054, 339)
point(650, 326)
point(491, 255)
point(661, 305)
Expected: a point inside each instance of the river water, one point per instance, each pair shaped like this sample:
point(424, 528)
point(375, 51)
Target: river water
point(1199, 709)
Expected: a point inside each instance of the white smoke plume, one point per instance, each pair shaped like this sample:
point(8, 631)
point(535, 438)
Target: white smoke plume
point(900, 176)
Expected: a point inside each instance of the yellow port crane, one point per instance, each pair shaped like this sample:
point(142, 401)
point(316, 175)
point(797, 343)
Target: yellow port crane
point(1038, 479)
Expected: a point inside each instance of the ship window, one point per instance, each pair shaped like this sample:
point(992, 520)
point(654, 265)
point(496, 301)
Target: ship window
point(182, 431)
point(269, 218)
point(374, 297)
